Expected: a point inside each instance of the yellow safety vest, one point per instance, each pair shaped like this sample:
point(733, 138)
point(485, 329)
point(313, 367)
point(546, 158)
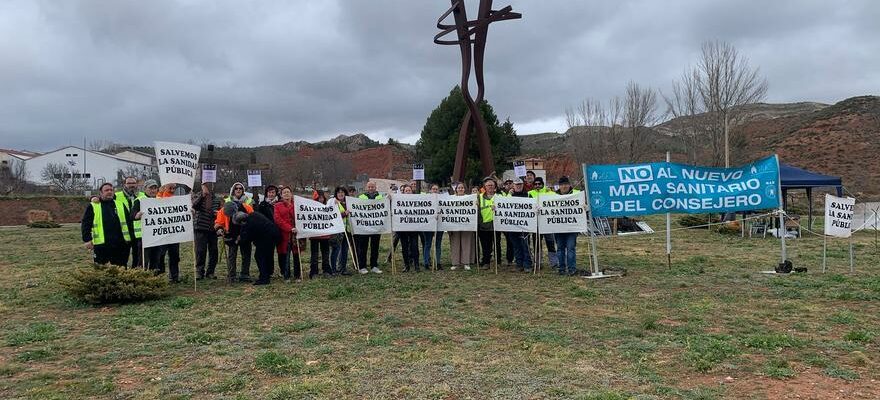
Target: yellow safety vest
point(341, 208)
point(486, 212)
point(137, 222)
point(248, 200)
point(98, 223)
point(364, 196)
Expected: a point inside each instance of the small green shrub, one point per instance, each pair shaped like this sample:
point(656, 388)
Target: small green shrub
point(44, 224)
point(102, 284)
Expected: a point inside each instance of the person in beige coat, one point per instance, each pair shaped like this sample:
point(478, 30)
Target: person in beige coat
point(462, 249)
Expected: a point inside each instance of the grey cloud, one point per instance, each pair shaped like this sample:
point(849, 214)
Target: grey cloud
point(271, 71)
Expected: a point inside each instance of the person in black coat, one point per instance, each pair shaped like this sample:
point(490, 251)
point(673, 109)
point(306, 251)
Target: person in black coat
point(264, 234)
point(114, 246)
point(206, 206)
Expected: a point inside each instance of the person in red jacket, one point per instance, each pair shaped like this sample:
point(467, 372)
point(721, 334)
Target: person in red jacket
point(288, 246)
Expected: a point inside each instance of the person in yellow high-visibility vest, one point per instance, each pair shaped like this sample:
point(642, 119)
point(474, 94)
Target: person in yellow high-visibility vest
point(538, 189)
point(126, 198)
point(151, 254)
point(105, 229)
point(485, 229)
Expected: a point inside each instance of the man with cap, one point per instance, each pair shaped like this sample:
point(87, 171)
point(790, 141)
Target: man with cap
point(567, 242)
point(230, 231)
point(485, 229)
point(125, 197)
point(105, 230)
point(520, 240)
point(537, 191)
point(151, 254)
point(264, 234)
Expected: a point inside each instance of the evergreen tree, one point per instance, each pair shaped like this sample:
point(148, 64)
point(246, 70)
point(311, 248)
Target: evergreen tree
point(439, 138)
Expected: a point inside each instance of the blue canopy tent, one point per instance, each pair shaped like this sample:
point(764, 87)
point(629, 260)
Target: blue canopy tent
point(798, 178)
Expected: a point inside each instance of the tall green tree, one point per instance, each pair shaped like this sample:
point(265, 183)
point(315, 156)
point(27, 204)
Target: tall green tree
point(439, 138)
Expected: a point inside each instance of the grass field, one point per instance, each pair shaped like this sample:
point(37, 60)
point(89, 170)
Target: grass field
point(711, 327)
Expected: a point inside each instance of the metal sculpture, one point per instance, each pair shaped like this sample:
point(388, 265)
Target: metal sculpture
point(479, 29)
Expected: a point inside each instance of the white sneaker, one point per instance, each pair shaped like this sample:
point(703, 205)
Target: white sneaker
point(453, 268)
point(376, 270)
point(363, 271)
point(467, 267)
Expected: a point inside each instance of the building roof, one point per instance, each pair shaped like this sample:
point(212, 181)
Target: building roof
point(21, 154)
point(136, 152)
point(98, 153)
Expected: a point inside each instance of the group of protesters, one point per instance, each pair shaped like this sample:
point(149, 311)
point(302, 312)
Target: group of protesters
point(265, 229)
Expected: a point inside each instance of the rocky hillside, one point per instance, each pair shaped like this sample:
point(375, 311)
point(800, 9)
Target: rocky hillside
point(841, 139)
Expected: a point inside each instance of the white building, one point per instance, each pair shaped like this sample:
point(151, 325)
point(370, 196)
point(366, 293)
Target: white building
point(95, 167)
point(7, 157)
point(137, 156)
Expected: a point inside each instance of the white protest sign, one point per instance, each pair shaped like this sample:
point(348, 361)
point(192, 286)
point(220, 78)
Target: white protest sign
point(177, 162)
point(562, 213)
point(255, 178)
point(166, 220)
point(457, 213)
point(414, 212)
point(839, 215)
point(519, 168)
point(209, 173)
point(516, 214)
point(316, 219)
point(418, 172)
point(369, 217)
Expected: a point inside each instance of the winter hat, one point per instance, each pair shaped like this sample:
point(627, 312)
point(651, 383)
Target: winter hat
point(230, 208)
point(239, 218)
point(564, 179)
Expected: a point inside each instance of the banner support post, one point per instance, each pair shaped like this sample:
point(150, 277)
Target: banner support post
point(782, 231)
point(824, 252)
point(668, 233)
point(851, 258)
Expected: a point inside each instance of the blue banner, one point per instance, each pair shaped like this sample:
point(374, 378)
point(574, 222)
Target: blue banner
point(658, 188)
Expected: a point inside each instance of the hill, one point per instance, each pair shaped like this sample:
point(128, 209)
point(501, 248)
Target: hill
point(841, 139)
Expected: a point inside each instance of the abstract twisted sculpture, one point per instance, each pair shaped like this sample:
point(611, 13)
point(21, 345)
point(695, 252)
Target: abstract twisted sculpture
point(479, 29)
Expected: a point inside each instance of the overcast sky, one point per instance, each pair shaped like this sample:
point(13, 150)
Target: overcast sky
point(266, 72)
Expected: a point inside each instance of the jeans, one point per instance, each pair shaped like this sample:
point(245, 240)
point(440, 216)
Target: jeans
point(426, 247)
point(566, 247)
point(521, 253)
point(206, 245)
point(339, 254)
point(284, 260)
point(173, 251)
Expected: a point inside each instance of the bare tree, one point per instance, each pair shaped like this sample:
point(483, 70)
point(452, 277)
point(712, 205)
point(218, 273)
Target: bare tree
point(103, 145)
point(13, 177)
point(138, 173)
point(726, 81)
point(333, 168)
point(640, 112)
point(686, 104)
point(615, 129)
point(62, 178)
